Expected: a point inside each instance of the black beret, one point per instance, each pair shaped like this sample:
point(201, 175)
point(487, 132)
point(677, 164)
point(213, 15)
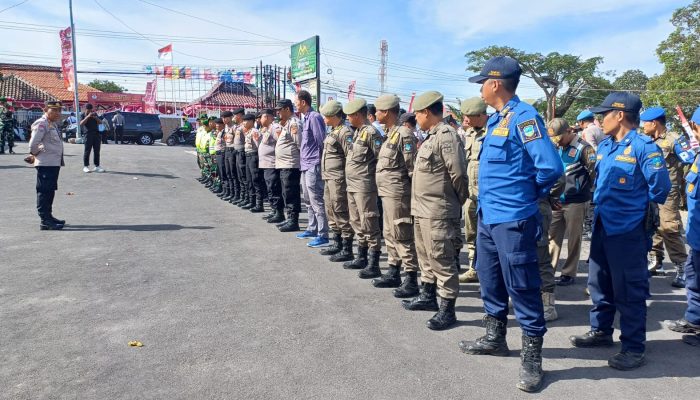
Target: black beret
point(249, 117)
point(267, 111)
point(238, 111)
point(226, 114)
point(219, 121)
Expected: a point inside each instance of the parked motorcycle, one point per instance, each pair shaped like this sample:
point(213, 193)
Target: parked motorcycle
point(178, 137)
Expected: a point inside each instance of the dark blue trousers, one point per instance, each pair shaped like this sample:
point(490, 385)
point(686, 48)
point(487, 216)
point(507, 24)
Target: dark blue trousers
point(692, 314)
point(618, 280)
point(507, 266)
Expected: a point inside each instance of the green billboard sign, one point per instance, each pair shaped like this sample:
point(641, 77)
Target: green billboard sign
point(305, 60)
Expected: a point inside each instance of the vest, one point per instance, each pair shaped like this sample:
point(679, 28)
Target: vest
point(578, 180)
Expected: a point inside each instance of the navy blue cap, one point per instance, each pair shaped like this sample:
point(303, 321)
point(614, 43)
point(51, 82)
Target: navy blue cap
point(621, 101)
point(501, 67)
point(696, 116)
point(585, 114)
point(249, 117)
point(652, 113)
point(284, 103)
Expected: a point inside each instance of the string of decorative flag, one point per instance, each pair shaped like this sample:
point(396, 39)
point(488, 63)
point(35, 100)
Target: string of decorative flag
point(207, 74)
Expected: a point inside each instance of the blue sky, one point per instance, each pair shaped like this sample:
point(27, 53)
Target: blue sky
point(427, 39)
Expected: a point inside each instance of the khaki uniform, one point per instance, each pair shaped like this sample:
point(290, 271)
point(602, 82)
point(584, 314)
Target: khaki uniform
point(360, 169)
point(394, 170)
point(439, 189)
point(335, 148)
point(669, 232)
point(472, 146)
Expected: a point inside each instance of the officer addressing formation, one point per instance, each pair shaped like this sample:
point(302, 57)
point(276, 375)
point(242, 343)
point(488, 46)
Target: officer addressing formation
point(521, 186)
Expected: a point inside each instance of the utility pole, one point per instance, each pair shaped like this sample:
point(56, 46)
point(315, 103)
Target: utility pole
point(76, 105)
point(383, 52)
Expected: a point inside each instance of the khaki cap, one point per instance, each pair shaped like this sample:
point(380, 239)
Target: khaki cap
point(557, 127)
point(354, 106)
point(473, 106)
point(387, 102)
point(331, 108)
point(54, 104)
point(425, 100)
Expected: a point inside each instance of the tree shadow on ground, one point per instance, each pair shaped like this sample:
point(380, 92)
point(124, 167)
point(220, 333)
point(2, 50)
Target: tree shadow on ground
point(134, 228)
point(144, 174)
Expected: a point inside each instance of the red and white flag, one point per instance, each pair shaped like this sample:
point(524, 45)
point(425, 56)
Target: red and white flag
point(410, 105)
point(166, 53)
point(351, 91)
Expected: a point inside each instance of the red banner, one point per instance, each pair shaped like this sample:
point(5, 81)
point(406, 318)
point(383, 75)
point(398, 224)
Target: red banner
point(149, 99)
point(351, 91)
point(67, 58)
point(122, 98)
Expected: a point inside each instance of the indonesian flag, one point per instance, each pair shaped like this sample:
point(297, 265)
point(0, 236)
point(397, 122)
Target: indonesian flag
point(351, 91)
point(166, 53)
point(410, 105)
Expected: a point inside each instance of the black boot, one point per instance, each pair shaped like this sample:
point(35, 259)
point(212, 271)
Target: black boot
point(11, 151)
point(345, 254)
point(360, 260)
point(56, 220)
point(284, 222)
point(372, 269)
point(392, 278)
point(445, 316)
point(335, 247)
point(224, 193)
point(258, 207)
point(241, 198)
point(277, 216)
point(236, 194)
point(592, 339)
point(292, 224)
point(269, 215)
point(409, 286)
point(679, 279)
point(229, 193)
point(48, 225)
point(493, 343)
point(531, 374)
point(208, 183)
point(250, 204)
point(426, 300)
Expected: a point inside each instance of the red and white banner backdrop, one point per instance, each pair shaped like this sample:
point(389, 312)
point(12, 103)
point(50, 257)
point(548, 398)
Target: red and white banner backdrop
point(149, 98)
point(67, 58)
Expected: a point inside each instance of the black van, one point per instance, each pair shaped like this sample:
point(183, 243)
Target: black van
point(139, 128)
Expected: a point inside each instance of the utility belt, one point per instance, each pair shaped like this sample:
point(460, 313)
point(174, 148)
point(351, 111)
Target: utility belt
point(251, 153)
point(219, 152)
point(652, 220)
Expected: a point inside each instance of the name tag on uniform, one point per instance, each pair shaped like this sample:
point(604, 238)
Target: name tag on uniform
point(626, 159)
point(503, 132)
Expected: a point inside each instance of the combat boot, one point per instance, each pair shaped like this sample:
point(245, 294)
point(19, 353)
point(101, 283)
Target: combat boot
point(656, 265)
point(392, 278)
point(360, 260)
point(469, 276)
point(372, 269)
point(56, 220)
point(409, 286)
point(627, 360)
point(292, 224)
point(48, 225)
point(426, 300)
point(11, 151)
point(229, 194)
point(208, 183)
point(224, 193)
point(278, 216)
point(269, 215)
point(445, 316)
point(283, 222)
point(258, 207)
point(250, 202)
point(679, 279)
point(592, 339)
point(492, 344)
point(550, 311)
point(531, 373)
point(346, 253)
point(335, 247)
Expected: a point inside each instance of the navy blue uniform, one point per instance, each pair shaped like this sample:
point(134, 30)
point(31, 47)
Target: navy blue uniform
point(517, 165)
point(630, 173)
point(692, 313)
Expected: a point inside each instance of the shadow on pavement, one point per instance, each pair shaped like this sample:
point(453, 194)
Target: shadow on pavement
point(147, 175)
point(134, 228)
point(13, 166)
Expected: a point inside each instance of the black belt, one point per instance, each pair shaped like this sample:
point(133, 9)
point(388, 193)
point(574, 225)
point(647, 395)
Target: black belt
point(219, 152)
point(251, 153)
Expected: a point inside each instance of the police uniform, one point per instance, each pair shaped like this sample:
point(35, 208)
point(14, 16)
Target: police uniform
point(335, 148)
point(288, 161)
point(630, 173)
point(230, 159)
point(438, 191)
point(271, 175)
point(472, 138)
point(253, 177)
point(220, 146)
point(677, 152)
point(360, 169)
point(519, 165)
point(394, 170)
point(46, 154)
point(690, 323)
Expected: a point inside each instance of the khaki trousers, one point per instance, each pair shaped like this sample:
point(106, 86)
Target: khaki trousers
point(398, 232)
point(670, 230)
point(567, 222)
point(336, 199)
point(364, 219)
point(437, 244)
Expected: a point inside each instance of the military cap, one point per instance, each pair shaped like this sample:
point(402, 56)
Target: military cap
point(331, 108)
point(238, 111)
point(652, 113)
point(284, 103)
point(557, 127)
point(427, 99)
point(226, 114)
point(620, 101)
point(267, 111)
point(219, 121)
point(407, 117)
point(585, 114)
point(54, 104)
point(387, 102)
point(696, 116)
point(249, 117)
point(354, 106)
point(501, 67)
point(258, 115)
point(473, 106)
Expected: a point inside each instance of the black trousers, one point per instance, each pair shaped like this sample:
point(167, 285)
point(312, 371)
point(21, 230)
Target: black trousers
point(230, 167)
point(291, 189)
point(254, 177)
point(93, 140)
point(241, 170)
point(221, 168)
point(46, 186)
point(118, 134)
point(274, 188)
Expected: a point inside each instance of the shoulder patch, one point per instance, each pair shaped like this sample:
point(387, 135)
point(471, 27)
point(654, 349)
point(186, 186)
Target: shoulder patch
point(657, 163)
point(378, 142)
point(408, 147)
point(529, 130)
point(447, 148)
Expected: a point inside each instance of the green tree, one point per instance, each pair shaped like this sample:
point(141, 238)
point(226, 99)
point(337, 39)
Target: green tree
point(632, 79)
point(106, 86)
point(562, 77)
point(679, 84)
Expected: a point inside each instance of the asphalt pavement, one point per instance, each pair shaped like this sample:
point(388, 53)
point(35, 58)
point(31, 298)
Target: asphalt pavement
point(229, 308)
